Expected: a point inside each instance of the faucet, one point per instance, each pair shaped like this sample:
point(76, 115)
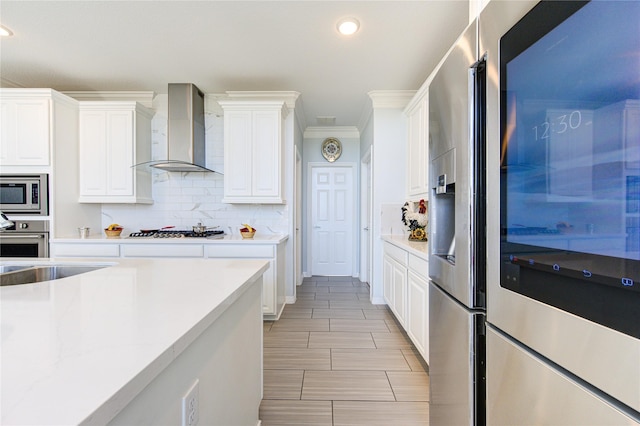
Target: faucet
point(4, 221)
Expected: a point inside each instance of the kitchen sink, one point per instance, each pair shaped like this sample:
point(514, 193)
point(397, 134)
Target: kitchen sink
point(11, 268)
point(14, 275)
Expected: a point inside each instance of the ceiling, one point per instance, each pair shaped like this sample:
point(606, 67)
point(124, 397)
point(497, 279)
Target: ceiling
point(230, 45)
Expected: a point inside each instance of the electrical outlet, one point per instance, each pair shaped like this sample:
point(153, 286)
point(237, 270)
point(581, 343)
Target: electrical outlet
point(191, 406)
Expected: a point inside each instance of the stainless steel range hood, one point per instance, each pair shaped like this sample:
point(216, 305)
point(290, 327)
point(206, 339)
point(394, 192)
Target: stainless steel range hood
point(185, 131)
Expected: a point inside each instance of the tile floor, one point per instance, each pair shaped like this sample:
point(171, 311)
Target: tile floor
point(335, 359)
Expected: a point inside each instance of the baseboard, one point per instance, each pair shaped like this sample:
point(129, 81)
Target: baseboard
point(290, 299)
point(378, 301)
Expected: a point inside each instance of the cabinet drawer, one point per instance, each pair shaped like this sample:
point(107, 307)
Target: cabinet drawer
point(162, 250)
point(419, 266)
point(240, 250)
point(85, 250)
point(396, 253)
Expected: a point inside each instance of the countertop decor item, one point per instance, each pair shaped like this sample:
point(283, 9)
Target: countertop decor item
point(83, 232)
point(113, 230)
point(331, 149)
point(248, 231)
point(414, 216)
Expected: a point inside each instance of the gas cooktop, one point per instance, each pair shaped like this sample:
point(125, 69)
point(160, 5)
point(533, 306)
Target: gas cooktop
point(178, 234)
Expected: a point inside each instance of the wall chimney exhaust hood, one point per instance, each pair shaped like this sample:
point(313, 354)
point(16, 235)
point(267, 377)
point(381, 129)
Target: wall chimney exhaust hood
point(185, 131)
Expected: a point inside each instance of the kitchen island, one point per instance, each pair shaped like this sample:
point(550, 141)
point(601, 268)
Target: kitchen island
point(123, 344)
point(263, 246)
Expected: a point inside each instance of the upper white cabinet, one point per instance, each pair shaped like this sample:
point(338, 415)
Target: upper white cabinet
point(253, 151)
point(113, 137)
point(25, 127)
point(417, 149)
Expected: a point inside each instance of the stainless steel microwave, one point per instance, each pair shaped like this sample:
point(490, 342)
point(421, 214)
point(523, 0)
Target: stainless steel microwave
point(24, 194)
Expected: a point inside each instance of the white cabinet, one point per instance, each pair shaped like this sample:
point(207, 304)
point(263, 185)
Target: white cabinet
point(84, 250)
point(417, 325)
point(273, 283)
point(395, 280)
point(406, 291)
point(25, 128)
point(417, 150)
point(113, 137)
point(253, 151)
point(273, 297)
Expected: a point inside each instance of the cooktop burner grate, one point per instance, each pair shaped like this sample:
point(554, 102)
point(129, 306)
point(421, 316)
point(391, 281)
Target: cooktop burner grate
point(177, 234)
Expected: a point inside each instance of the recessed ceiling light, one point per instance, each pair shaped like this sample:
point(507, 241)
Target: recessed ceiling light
point(348, 26)
point(5, 32)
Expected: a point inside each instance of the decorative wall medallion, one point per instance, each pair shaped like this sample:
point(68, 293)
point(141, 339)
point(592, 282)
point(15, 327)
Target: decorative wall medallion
point(331, 149)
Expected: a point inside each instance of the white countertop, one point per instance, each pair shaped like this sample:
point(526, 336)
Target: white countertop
point(418, 248)
point(82, 347)
point(125, 239)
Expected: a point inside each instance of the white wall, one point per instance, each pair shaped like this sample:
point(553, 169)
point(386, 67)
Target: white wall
point(184, 199)
point(389, 183)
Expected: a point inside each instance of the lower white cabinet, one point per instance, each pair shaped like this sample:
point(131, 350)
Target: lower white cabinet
point(417, 325)
point(406, 291)
point(273, 297)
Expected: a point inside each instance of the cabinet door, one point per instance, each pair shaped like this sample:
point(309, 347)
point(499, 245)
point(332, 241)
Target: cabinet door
point(238, 153)
point(269, 290)
point(418, 313)
point(266, 154)
point(110, 135)
point(399, 291)
point(119, 153)
point(93, 153)
point(25, 132)
point(387, 280)
point(418, 163)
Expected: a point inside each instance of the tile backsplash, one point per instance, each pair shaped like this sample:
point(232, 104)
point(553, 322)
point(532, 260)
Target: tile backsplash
point(183, 199)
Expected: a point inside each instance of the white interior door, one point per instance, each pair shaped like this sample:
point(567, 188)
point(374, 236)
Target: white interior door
point(332, 220)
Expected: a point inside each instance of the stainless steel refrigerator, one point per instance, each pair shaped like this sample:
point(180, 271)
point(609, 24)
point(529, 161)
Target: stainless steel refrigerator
point(457, 236)
point(534, 251)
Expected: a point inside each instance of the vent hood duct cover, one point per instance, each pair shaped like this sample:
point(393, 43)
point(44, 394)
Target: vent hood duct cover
point(185, 131)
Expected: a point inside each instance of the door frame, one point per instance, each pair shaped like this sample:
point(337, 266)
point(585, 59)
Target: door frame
point(309, 225)
point(366, 197)
point(298, 273)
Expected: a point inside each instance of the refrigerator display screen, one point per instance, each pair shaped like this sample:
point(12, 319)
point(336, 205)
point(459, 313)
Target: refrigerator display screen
point(570, 155)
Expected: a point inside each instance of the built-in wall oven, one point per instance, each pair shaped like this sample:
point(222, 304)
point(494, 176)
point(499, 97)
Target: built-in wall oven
point(563, 270)
point(24, 194)
point(26, 238)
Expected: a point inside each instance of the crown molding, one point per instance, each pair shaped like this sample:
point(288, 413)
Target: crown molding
point(421, 93)
point(336, 131)
point(396, 99)
point(288, 96)
point(145, 98)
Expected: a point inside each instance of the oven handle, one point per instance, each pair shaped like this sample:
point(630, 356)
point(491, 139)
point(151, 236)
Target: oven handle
point(21, 236)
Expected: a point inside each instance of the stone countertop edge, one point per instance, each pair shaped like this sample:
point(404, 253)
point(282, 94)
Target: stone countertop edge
point(418, 248)
point(126, 394)
point(228, 239)
point(147, 359)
